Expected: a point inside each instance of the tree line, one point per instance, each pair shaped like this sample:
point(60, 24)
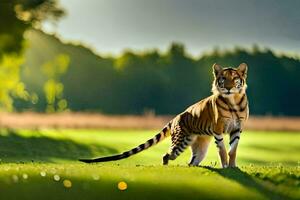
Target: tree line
point(160, 82)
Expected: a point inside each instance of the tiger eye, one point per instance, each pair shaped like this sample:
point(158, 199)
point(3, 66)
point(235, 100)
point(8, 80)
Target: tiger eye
point(221, 80)
point(238, 81)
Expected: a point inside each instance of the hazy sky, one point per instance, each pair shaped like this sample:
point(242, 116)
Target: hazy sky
point(110, 26)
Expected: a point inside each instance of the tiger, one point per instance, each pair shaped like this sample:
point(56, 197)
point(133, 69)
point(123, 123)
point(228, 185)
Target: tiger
point(224, 112)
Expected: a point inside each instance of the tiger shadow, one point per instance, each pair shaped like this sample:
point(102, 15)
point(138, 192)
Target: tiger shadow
point(248, 181)
point(16, 148)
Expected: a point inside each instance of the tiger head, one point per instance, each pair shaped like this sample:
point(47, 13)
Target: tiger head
point(229, 81)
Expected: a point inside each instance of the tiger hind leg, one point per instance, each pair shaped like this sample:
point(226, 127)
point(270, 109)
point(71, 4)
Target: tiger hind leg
point(199, 149)
point(179, 144)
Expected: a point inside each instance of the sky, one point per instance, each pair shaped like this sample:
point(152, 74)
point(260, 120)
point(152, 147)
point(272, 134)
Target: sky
point(110, 26)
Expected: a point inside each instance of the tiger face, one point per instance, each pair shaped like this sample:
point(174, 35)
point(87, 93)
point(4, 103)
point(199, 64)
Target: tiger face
point(229, 81)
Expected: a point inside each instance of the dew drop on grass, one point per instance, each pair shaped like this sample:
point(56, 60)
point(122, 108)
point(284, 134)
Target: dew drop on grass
point(56, 177)
point(122, 185)
point(43, 174)
point(96, 177)
point(15, 178)
point(67, 183)
point(25, 176)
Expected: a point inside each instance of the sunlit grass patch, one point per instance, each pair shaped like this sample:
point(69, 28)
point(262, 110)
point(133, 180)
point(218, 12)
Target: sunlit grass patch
point(43, 164)
point(83, 181)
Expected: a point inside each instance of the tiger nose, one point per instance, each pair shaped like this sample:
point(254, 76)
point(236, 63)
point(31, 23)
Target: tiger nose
point(228, 86)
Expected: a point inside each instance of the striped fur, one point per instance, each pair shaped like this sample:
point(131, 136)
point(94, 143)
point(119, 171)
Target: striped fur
point(225, 111)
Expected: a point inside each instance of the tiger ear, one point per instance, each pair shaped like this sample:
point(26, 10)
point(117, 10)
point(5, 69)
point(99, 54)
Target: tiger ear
point(243, 68)
point(216, 69)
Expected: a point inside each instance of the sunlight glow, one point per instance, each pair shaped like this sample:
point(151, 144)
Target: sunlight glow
point(67, 183)
point(56, 177)
point(122, 185)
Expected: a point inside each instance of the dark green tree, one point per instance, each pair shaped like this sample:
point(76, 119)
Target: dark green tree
point(16, 16)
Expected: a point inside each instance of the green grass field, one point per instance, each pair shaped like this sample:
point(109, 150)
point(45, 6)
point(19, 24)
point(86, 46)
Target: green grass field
point(42, 164)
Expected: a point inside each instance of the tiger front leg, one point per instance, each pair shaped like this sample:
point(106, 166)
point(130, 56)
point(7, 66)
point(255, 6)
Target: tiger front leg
point(234, 141)
point(222, 150)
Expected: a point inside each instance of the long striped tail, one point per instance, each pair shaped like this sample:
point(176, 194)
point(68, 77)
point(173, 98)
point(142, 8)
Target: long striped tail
point(156, 139)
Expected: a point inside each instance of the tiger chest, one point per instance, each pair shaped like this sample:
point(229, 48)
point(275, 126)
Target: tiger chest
point(231, 124)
